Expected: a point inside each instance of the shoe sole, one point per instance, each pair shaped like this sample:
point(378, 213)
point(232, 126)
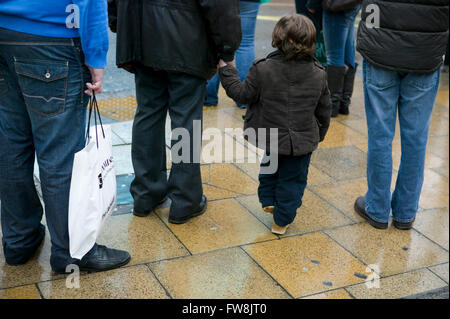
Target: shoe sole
point(371, 222)
point(91, 270)
point(184, 221)
point(139, 214)
point(402, 226)
point(278, 232)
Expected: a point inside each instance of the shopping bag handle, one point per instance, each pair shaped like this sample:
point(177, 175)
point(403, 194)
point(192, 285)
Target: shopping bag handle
point(93, 105)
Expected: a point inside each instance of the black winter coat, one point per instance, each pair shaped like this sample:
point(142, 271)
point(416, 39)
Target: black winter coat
point(188, 36)
point(292, 96)
point(412, 35)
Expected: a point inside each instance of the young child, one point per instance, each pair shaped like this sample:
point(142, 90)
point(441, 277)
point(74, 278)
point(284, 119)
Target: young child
point(288, 91)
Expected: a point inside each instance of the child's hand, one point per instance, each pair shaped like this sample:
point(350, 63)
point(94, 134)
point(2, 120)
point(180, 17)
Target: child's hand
point(221, 64)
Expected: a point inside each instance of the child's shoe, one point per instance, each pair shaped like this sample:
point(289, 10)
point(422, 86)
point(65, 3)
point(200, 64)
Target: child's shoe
point(269, 209)
point(279, 230)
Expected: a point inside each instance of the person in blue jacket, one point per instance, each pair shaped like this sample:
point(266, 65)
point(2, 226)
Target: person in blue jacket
point(52, 54)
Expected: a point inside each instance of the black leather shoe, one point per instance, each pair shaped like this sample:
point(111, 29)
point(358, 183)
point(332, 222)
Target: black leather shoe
point(200, 211)
point(404, 226)
point(145, 214)
point(103, 258)
point(360, 208)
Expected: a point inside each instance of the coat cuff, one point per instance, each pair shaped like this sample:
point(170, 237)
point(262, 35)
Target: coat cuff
point(227, 57)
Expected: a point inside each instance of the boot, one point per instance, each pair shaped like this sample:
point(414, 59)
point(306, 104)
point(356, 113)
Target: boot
point(336, 75)
point(349, 82)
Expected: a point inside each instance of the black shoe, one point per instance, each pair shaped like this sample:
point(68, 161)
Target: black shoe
point(200, 211)
point(145, 214)
point(335, 110)
point(103, 258)
point(360, 208)
point(404, 226)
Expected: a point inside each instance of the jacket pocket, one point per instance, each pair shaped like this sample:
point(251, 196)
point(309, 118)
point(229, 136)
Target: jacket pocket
point(3, 85)
point(43, 85)
point(424, 82)
point(317, 127)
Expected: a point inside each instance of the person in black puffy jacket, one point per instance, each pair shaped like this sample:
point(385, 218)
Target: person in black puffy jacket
point(403, 44)
point(173, 47)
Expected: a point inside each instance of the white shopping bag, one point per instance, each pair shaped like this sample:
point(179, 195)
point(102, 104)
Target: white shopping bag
point(93, 191)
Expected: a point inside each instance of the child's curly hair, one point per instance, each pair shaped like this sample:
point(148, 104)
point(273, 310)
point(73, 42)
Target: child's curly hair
point(295, 36)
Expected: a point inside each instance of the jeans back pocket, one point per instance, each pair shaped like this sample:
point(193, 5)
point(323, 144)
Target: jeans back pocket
point(43, 85)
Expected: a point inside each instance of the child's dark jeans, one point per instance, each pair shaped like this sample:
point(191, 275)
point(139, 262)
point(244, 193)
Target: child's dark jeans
point(284, 189)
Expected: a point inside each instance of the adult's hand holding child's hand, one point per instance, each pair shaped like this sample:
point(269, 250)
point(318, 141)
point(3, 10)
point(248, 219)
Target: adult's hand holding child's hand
point(221, 64)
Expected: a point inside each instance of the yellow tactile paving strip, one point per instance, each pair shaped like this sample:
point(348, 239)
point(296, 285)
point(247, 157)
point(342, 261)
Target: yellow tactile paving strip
point(123, 109)
point(120, 109)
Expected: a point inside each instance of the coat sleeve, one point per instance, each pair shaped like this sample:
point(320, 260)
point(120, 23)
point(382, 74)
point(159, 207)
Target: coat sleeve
point(323, 111)
point(112, 15)
point(314, 4)
point(246, 92)
point(224, 24)
point(93, 31)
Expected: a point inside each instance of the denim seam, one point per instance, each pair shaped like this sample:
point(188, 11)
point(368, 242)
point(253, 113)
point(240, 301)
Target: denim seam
point(40, 78)
point(61, 110)
point(371, 215)
point(81, 65)
point(404, 220)
point(376, 219)
point(5, 90)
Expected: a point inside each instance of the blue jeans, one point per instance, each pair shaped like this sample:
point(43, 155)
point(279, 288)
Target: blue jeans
point(245, 55)
point(42, 112)
point(412, 95)
point(339, 35)
point(285, 188)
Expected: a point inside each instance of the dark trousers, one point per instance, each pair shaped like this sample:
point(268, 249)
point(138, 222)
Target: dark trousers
point(315, 17)
point(42, 112)
point(182, 95)
point(284, 189)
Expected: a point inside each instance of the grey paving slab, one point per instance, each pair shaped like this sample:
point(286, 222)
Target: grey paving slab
point(123, 130)
point(122, 159)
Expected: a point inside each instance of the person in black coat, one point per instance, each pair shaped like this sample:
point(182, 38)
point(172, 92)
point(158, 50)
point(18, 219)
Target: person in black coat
point(402, 44)
point(173, 47)
point(286, 91)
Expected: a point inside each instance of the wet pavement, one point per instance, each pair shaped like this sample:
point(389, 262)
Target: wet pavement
point(229, 252)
